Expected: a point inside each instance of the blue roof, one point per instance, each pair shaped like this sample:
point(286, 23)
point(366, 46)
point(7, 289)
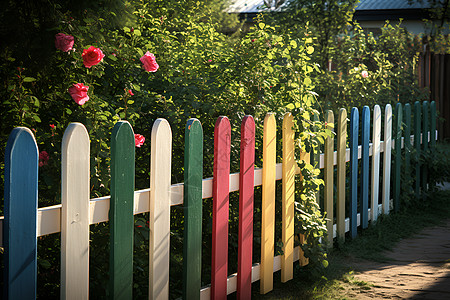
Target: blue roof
point(391, 4)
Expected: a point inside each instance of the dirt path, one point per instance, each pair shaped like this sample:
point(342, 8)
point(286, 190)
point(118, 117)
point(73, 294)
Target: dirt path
point(420, 269)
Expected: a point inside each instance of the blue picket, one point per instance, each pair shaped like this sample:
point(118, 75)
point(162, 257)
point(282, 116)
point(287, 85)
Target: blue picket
point(20, 211)
point(365, 136)
point(354, 128)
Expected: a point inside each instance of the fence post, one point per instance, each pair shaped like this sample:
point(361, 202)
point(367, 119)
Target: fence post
point(246, 195)
point(75, 195)
point(433, 132)
point(121, 217)
point(20, 211)
point(160, 182)
point(354, 134)
point(426, 129)
point(365, 136)
point(192, 201)
point(386, 189)
point(417, 142)
point(398, 115)
point(341, 168)
point(376, 136)
point(289, 165)
point(221, 189)
point(268, 204)
point(328, 176)
point(408, 146)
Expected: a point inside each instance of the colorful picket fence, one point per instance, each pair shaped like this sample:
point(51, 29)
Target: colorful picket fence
point(23, 222)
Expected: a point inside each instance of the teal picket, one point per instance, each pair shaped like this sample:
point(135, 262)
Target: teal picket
point(433, 132)
point(365, 136)
point(398, 118)
point(426, 130)
point(192, 199)
point(408, 145)
point(354, 124)
point(121, 218)
point(20, 211)
point(417, 138)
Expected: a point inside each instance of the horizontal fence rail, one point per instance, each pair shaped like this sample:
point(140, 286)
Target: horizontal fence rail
point(73, 217)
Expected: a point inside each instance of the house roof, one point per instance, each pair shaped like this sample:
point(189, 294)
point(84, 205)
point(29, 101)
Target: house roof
point(391, 4)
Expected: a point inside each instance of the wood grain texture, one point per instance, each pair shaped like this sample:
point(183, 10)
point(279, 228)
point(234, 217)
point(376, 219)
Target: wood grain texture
point(288, 193)
point(268, 204)
point(75, 192)
point(354, 134)
point(433, 133)
point(19, 228)
point(387, 145)
point(376, 136)
point(121, 218)
point(160, 183)
point(246, 198)
point(221, 187)
point(417, 146)
point(341, 169)
point(192, 200)
point(398, 119)
point(328, 176)
point(365, 136)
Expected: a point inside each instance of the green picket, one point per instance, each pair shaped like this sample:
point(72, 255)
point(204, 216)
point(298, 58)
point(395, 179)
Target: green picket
point(433, 132)
point(121, 212)
point(417, 138)
point(192, 199)
point(398, 115)
point(408, 146)
point(425, 131)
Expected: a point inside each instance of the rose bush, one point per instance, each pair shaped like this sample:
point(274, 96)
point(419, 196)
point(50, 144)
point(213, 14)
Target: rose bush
point(149, 62)
point(92, 56)
point(64, 42)
point(78, 92)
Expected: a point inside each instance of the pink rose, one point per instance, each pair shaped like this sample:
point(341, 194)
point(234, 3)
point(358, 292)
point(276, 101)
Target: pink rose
point(64, 42)
point(364, 74)
point(78, 92)
point(92, 56)
point(139, 140)
point(149, 61)
point(43, 158)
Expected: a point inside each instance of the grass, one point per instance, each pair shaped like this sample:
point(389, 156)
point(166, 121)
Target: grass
point(370, 245)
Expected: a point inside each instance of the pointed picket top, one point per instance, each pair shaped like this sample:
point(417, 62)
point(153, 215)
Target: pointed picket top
point(328, 175)
point(221, 188)
point(192, 200)
point(341, 168)
point(75, 195)
point(288, 193)
point(386, 188)
point(246, 198)
point(268, 204)
point(121, 217)
point(398, 154)
point(160, 182)
point(354, 134)
point(365, 137)
point(376, 149)
point(20, 211)
point(417, 145)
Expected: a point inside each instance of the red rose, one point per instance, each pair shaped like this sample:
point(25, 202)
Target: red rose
point(78, 92)
point(43, 158)
point(92, 56)
point(64, 42)
point(130, 92)
point(139, 140)
point(149, 61)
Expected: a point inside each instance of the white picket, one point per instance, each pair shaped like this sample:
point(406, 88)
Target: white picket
point(160, 185)
point(376, 136)
point(75, 213)
point(387, 145)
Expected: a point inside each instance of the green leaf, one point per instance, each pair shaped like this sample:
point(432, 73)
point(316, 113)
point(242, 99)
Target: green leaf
point(140, 52)
point(137, 32)
point(293, 44)
point(29, 79)
point(261, 25)
point(307, 81)
point(325, 263)
point(126, 29)
point(68, 111)
point(112, 57)
point(45, 263)
point(310, 49)
point(36, 118)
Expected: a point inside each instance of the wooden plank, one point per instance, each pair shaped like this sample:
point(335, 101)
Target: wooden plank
point(417, 139)
point(160, 182)
point(75, 192)
point(193, 176)
point(387, 146)
point(376, 136)
point(365, 136)
point(408, 145)
point(219, 264)
point(19, 231)
point(246, 196)
point(121, 212)
point(426, 129)
point(398, 119)
point(288, 194)
point(432, 133)
point(328, 176)
point(341, 168)
point(268, 204)
point(354, 134)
